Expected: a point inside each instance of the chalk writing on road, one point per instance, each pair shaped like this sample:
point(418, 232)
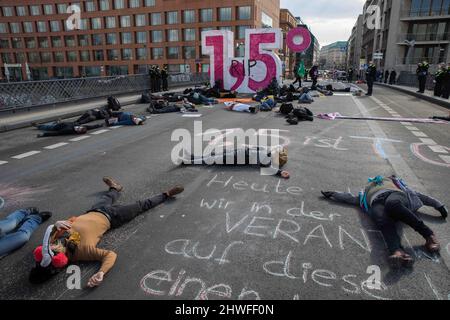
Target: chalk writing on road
point(417, 150)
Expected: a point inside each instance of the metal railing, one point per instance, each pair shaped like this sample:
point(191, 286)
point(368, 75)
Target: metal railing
point(410, 79)
point(423, 37)
point(28, 94)
point(425, 13)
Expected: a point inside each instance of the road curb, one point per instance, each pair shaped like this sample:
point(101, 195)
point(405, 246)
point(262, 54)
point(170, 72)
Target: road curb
point(440, 102)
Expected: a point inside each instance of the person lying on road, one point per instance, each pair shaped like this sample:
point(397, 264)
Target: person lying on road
point(125, 119)
point(240, 107)
point(59, 128)
point(76, 239)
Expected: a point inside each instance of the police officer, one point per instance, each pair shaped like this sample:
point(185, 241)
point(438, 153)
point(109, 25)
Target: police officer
point(153, 78)
point(446, 83)
point(164, 77)
point(438, 80)
point(350, 75)
point(150, 75)
point(371, 75)
point(158, 79)
point(422, 73)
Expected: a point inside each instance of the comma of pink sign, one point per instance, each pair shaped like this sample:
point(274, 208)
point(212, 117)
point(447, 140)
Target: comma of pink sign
point(260, 64)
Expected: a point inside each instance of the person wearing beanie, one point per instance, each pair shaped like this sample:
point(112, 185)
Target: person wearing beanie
point(75, 240)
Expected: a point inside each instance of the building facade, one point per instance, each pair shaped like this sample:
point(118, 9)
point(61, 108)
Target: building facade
point(287, 22)
point(334, 56)
point(354, 46)
point(119, 36)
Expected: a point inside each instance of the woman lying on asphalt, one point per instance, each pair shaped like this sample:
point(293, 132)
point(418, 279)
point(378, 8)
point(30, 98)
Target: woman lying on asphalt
point(76, 239)
point(388, 201)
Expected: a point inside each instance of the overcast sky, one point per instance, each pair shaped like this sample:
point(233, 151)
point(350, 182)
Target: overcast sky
point(329, 20)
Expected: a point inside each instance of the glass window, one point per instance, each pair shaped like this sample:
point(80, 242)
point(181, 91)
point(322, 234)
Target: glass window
point(96, 23)
point(172, 53)
point(90, 6)
point(113, 54)
point(98, 55)
point(70, 41)
point(3, 28)
point(141, 37)
point(224, 14)
point(54, 26)
point(41, 26)
point(157, 53)
point(48, 9)
point(97, 39)
point(156, 19)
point(174, 68)
point(189, 52)
point(207, 29)
point(4, 43)
point(21, 11)
point(8, 11)
point(267, 21)
point(15, 27)
point(149, 3)
point(46, 57)
point(206, 15)
point(241, 31)
point(84, 24)
point(33, 57)
point(141, 54)
point(56, 42)
point(20, 57)
point(157, 36)
point(135, 3)
point(111, 38)
point(104, 5)
point(58, 56)
point(35, 10)
point(85, 56)
point(17, 43)
point(205, 67)
point(110, 22)
point(244, 13)
point(125, 21)
point(226, 28)
point(189, 34)
point(28, 27)
point(172, 17)
point(189, 16)
point(172, 35)
point(62, 8)
point(30, 43)
point(119, 4)
point(140, 20)
point(43, 42)
point(83, 40)
point(126, 37)
point(127, 54)
point(71, 56)
point(63, 72)
point(7, 57)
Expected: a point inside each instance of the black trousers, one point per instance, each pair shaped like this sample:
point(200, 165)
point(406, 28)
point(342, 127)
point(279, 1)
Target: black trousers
point(422, 83)
point(165, 84)
point(390, 209)
point(299, 80)
point(369, 86)
point(121, 214)
point(445, 91)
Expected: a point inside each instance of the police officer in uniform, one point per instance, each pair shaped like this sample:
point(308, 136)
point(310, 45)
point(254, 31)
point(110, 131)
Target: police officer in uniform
point(438, 80)
point(158, 79)
point(164, 77)
point(371, 75)
point(422, 73)
point(150, 75)
point(446, 83)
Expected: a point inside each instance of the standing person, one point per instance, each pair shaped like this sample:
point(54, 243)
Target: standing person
point(158, 79)
point(76, 239)
point(165, 77)
point(386, 76)
point(371, 75)
point(306, 74)
point(314, 74)
point(152, 79)
point(439, 79)
point(17, 228)
point(388, 201)
point(350, 75)
point(299, 75)
point(446, 83)
point(422, 73)
point(392, 77)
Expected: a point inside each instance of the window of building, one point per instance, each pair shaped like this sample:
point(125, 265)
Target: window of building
point(189, 16)
point(85, 56)
point(174, 68)
point(140, 20)
point(157, 36)
point(117, 70)
point(156, 19)
point(127, 54)
point(83, 40)
point(96, 23)
point(8, 11)
point(206, 15)
point(71, 56)
point(126, 37)
point(98, 55)
point(43, 42)
point(111, 38)
point(141, 37)
point(54, 26)
point(92, 71)
point(15, 27)
point(56, 42)
point(7, 57)
point(97, 39)
point(62, 8)
point(46, 57)
point(90, 7)
point(267, 21)
point(172, 35)
point(28, 27)
point(20, 57)
point(48, 9)
point(189, 52)
point(189, 34)
point(172, 17)
point(17, 43)
point(244, 13)
point(125, 21)
point(113, 54)
point(172, 53)
point(58, 56)
point(63, 72)
point(42, 26)
point(141, 54)
point(3, 28)
point(35, 10)
point(21, 11)
point(135, 3)
point(157, 53)
point(4, 43)
point(104, 5)
point(205, 67)
point(110, 22)
point(207, 29)
point(30, 43)
point(34, 57)
point(70, 41)
point(149, 3)
point(84, 24)
point(224, 14)
point(241, 31)
point(226, 28)
point(119, 4)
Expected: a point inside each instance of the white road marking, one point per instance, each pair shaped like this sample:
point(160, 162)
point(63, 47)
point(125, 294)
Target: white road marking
point(412, 128)
point(445, 158)
point(100, 131)
point(419, 134)
point(406, 123)
point(438, 149)
point(115, 127)
point(3, 162)
point(428, 141)
point(25, 155)
point(79, 138)
point(57, 145)
point(436, 293)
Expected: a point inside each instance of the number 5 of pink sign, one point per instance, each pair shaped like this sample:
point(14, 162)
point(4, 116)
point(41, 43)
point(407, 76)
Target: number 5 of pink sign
point(259, 66)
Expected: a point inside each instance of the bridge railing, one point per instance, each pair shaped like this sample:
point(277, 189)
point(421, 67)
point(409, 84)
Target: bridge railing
point(29, 94)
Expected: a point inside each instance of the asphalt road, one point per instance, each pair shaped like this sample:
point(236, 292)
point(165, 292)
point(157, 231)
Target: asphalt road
point(234, 233)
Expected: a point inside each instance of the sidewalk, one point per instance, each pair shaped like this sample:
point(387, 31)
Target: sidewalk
point(23, 119)
point(428, 95)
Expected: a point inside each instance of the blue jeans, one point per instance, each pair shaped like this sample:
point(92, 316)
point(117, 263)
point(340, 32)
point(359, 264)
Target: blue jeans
point(48, 126)
point(12, 239)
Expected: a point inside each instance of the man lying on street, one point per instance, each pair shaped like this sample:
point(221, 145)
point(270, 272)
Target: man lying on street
point(125, 119)
point(240, 107)
point(59, 128)
point(155, 108)
point(93, 115)
point(260, 156)
point(17, 228)
point(388, 201)
point(76, 239)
